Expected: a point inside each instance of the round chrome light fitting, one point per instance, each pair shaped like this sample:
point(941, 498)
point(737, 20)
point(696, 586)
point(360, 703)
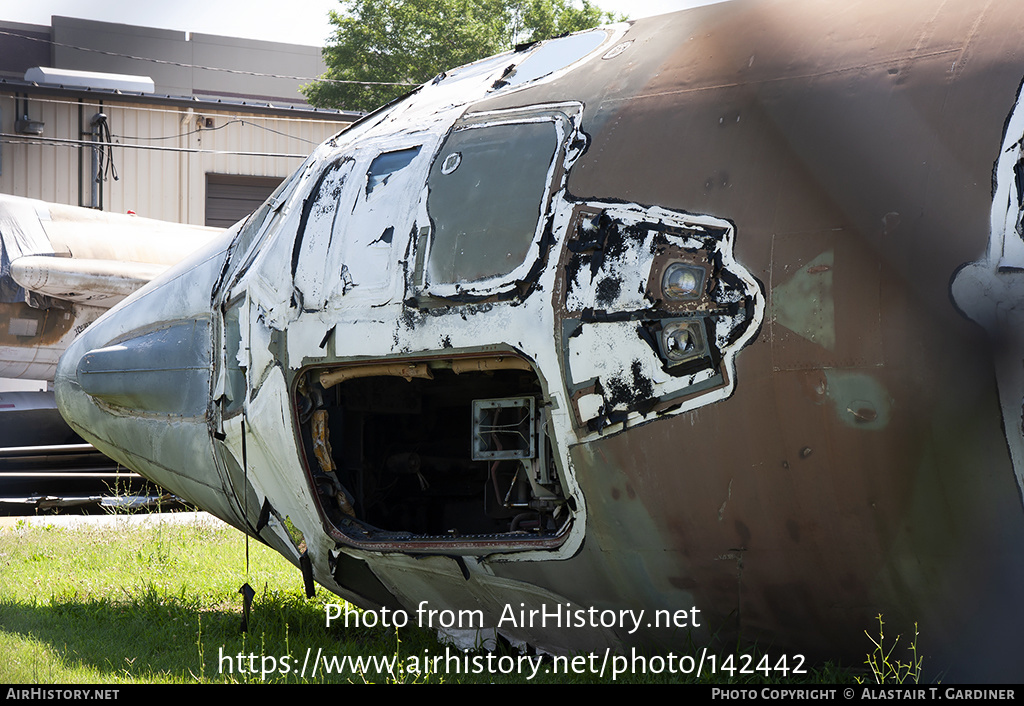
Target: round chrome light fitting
point(682, 341)
point(681, 281)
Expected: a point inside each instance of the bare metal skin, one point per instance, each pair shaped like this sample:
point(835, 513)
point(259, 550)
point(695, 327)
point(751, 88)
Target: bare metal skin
point(712, 311)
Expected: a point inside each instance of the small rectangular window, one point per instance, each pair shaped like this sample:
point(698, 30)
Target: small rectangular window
point(387, 164)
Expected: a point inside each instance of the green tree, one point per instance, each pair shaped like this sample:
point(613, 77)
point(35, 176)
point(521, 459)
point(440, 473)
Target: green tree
point(382, 48)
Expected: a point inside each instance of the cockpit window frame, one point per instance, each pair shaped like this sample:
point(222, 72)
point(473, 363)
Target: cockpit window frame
point(569, 144)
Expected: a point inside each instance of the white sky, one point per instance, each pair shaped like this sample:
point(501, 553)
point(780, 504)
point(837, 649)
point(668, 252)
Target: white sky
point(296, 22)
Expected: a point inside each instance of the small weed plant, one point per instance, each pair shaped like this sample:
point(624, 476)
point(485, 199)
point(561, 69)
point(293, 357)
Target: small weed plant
point(887, 669)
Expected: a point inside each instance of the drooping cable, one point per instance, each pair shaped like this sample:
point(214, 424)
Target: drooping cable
point(105, 152)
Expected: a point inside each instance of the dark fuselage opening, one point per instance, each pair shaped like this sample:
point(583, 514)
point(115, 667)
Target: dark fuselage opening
point(439, 457)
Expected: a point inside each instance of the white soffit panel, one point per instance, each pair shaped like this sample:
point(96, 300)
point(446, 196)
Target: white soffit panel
point(90, 79)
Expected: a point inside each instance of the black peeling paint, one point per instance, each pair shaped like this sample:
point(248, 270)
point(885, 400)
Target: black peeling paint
point(327, 337)
point(529, 283)
point(636, 394)
point(306, 565)
point(311, 200)
point(386, 236)
point(608, 290)
point(265, 513)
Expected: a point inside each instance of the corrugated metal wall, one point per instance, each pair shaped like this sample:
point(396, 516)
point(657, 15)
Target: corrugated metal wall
point(162, 154)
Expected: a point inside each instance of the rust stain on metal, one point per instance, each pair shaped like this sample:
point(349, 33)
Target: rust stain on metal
point(47, 327)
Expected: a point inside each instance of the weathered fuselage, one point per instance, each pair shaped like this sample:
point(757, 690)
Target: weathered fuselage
point(712, 310)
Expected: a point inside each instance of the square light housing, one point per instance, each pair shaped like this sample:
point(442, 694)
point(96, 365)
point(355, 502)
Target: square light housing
point(682, 340)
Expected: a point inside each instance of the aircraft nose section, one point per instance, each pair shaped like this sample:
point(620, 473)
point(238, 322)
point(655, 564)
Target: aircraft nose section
point(141, 398)
point(137, 382)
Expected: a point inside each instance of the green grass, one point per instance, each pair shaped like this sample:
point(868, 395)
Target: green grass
point(160, 604)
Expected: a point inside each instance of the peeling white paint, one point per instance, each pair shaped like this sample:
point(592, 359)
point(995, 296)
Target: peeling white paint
point(614, 353)
point(988, 290)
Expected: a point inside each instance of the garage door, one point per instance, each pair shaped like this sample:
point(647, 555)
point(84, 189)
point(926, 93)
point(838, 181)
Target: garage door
point(231, 197)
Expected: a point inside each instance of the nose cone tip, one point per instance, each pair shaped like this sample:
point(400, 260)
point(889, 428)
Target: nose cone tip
point(67, 390)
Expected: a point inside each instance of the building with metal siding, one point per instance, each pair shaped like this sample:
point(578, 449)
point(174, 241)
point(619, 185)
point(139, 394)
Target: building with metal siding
point(224, 111)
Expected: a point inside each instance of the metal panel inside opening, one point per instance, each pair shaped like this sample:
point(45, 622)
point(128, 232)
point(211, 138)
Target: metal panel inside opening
point(388, 450)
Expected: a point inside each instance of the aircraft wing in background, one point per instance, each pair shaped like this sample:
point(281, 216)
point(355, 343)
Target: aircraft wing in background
point(61, 267)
